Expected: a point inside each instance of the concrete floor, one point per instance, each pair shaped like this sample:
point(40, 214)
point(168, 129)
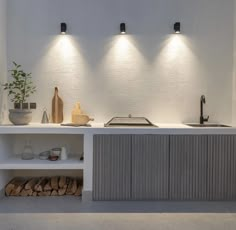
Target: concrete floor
point(117, 221)
point(70, 213)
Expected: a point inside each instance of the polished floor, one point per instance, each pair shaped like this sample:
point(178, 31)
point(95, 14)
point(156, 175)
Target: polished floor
point(118, 221)
point(71, 213)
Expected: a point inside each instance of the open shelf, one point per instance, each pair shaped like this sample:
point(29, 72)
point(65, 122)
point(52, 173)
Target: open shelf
point(17, 163)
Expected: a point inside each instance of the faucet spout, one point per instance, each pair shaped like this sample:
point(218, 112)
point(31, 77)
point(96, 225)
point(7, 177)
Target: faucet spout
point(202, 101)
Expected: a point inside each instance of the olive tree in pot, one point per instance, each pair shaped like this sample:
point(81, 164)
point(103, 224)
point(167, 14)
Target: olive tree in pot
point(19, 90)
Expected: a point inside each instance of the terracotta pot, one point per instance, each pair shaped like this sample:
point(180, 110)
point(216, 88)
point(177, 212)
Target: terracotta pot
point(20, 116)
point(81, 119)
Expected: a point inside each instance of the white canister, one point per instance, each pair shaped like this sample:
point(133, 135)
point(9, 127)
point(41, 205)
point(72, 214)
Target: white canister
point(63, 155)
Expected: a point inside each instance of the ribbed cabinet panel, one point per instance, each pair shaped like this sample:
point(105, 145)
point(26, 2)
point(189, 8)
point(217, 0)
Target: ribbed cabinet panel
point(150, 167)
point(188, 167)
point(112, 167)
point(222, 167)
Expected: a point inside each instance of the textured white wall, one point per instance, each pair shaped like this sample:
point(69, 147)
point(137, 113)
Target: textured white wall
point(149, 72)
point(3, 61)
point(234, 73)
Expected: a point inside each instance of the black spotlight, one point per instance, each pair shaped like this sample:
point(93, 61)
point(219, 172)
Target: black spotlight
point(122, 28)
point(63, 28)
point(177, 27)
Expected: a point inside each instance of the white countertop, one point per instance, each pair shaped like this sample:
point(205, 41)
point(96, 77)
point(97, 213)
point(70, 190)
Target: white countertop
point(98, 128)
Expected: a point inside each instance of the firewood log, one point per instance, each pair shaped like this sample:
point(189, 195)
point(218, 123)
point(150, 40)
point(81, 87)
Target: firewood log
point(54, 193)
point(62, 191)
point(10, 186)
point(48, 186)
point(62, 181)
point(24, 192)
point(36, 187)
point(72, 187)
point(34, 194)
point(79, 191)
point(42, 184)
point(54, 183)
point(69, 182)
point(48, 193)
point(30, 192)
point(19, 185)
point(31, 183)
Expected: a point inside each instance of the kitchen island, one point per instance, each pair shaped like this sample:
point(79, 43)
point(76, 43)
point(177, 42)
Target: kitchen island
point(168, 162)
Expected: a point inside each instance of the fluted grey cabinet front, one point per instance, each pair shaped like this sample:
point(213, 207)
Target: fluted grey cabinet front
point(188, 167)
point(112, 167)
point(222, 167)
point(150, 167)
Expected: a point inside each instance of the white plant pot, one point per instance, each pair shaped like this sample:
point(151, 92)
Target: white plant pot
point(20, 116)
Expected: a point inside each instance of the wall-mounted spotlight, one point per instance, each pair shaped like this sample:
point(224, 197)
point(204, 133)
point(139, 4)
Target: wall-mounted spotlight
point(122, 28)
point(177, 27)
point(63, 28)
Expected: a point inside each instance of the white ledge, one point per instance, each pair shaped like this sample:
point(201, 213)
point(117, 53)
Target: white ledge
point(98, 128)
point(17, 163)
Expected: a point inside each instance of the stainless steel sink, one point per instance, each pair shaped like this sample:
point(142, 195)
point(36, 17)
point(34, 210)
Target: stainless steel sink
point(209, 125)
point(129, 122)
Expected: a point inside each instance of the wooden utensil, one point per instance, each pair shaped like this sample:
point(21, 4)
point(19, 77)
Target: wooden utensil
point(57, 108)
point(81, 119)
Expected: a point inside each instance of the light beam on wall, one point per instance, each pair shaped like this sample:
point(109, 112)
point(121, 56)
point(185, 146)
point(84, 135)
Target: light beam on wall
point(176, 58)
point(63, 55)
point(123, 66)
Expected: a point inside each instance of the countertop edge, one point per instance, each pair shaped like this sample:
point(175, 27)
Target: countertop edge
point(97, 128)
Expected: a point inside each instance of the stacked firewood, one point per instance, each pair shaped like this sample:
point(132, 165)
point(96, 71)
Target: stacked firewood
point(44, 186)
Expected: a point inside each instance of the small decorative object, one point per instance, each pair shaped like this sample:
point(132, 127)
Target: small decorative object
point(19, 89)
point(75, 112)
point(45, 118)
point(55, 152)
point(77, 116)
point(63, 155)
point(27, 153)
point(53, 158)
point(44, 155)
point(57, 108)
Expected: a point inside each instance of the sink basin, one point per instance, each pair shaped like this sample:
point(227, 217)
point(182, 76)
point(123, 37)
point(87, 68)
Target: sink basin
point(129, 122)
point(208, 125)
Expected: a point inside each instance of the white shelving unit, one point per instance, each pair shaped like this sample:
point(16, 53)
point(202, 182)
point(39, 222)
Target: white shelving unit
point(42, 138)
point(16, 163)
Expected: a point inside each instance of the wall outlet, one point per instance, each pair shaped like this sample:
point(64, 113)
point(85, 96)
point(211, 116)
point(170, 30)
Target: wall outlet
point(33, 105)
point(16, 105)
point(25, 106)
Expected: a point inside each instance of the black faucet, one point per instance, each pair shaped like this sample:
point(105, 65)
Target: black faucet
point(202, 101)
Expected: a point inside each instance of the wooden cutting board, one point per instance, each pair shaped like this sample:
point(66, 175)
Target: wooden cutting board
point(57, 108)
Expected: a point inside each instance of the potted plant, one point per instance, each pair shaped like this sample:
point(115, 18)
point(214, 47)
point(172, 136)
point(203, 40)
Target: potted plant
point(19, 90)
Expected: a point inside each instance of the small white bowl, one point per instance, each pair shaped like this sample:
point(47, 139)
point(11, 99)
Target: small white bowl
point(55, 152)
point(44, 155)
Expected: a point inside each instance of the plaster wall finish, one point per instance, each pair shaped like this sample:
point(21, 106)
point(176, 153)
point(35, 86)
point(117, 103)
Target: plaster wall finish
point(3, 60)
point(234, 73)
point(4, 175)
point(148, 72)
